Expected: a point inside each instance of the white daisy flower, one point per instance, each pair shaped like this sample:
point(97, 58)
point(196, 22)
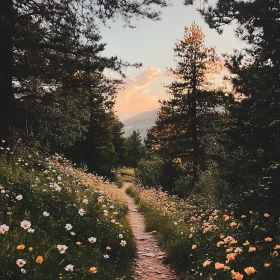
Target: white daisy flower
point(25, 224)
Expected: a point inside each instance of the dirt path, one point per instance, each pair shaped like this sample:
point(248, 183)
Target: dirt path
point(149, 256)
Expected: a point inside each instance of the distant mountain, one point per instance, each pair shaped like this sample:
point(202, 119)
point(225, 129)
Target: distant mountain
point(141, 122)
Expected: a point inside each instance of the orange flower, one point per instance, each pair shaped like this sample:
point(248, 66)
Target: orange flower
point(229, 250)
point(30, 249)
point(243, 217)
point(266, 215)
point(78, 243)
point(220, 243)
point(232, 242)
point(100, 200)
point(93, 270)
point(246, 243)
point(277, 247)
point(206, 263)
point(20, 247)
point(190, 236)
point(249, 270)
point(252, 249)
point(222, 236)
point(231, 256)
point(194, 247)
point(236, 275)
point(39, 259)
point(219, 266)
point(108, 248)
point(268, 239)
point(233, 224)
point(226, 217)
point(267, 264)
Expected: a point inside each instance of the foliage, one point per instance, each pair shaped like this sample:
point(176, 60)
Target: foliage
point(250, 139)
point(185, 118)
point(131, 191)
point(208, 243)
point(149, 170)
point(134, 148)
point(49, 193)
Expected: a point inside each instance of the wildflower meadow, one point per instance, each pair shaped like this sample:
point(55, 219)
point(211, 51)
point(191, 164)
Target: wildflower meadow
point(202, 242)
point(58, 222)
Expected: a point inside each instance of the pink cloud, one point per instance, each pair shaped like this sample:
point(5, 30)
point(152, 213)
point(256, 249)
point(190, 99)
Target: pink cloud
point(136, 96)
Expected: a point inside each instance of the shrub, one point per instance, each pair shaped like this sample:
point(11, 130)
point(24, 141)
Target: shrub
point(149, 171)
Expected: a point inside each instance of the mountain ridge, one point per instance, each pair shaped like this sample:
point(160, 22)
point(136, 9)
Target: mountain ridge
point(141, 122)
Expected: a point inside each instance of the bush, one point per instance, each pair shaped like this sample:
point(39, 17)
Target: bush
point(149, 170)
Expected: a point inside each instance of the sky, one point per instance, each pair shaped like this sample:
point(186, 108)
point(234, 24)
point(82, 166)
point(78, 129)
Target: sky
point(151, 43)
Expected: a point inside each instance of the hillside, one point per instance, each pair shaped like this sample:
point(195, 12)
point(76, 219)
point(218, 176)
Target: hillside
point(141, 122)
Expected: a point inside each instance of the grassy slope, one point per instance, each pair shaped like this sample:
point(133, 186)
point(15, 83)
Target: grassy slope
point(191, 233)
point(52, 185)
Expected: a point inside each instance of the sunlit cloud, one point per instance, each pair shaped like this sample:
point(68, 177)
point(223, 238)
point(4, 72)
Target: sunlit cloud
point(136, 96)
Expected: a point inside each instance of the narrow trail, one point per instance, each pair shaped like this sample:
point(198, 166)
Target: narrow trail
point(149, 255)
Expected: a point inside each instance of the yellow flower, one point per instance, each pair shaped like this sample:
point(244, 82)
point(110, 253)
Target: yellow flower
point(266, 215)
point(268, 239)
point(78, 243)
point(20, 247)
point(267, 264)
point(39, 259)
point(93, 270)
point(249, 270)
point(194, 247)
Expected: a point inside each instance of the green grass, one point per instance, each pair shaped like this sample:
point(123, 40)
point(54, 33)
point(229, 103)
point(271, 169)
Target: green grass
point(54, 186)
point(191, 234)
point(124, 175)
point(131, 191)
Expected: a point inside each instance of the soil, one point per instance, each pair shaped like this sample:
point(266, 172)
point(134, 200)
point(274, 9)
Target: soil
point(148, 262)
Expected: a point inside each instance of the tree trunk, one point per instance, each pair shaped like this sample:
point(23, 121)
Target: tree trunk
point(194, 129)
point(6, 68)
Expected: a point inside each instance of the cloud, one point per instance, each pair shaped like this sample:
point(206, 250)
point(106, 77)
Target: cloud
point(136, 96)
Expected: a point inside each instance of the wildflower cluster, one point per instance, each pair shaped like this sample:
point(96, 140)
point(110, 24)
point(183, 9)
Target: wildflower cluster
point(207, 243)
point(58, 220)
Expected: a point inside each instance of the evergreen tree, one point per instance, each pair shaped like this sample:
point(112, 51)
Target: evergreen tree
point(184, 118)
point(134, 147)
point(252, 161)
point(47, 41)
